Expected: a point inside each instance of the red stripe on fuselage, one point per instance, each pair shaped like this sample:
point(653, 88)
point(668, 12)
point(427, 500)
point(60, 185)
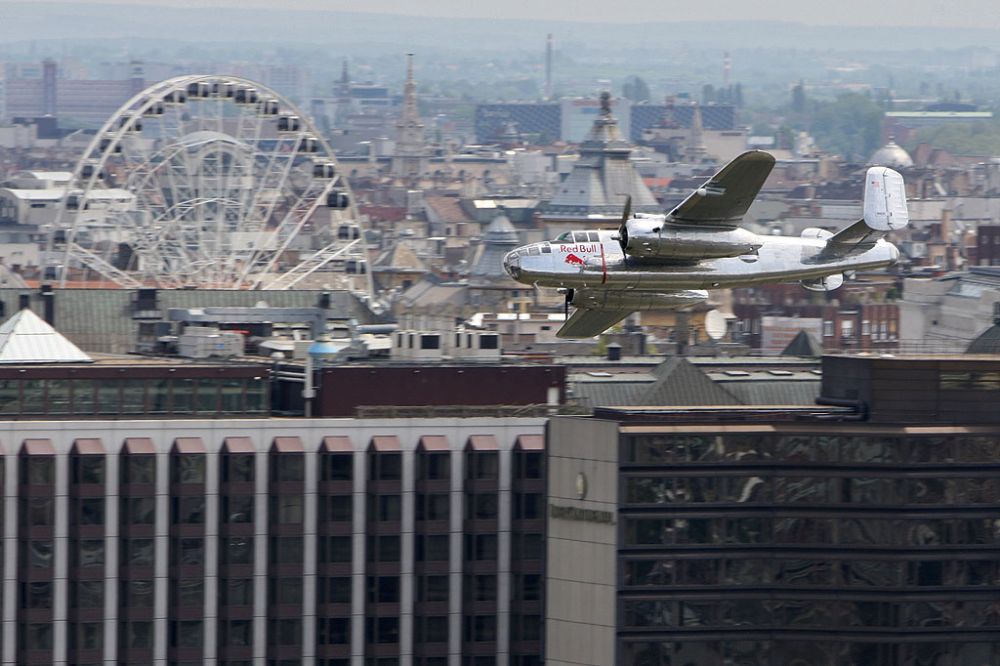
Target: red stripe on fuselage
point(604, 266)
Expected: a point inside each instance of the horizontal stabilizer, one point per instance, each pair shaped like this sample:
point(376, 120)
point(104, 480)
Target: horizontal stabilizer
point(587, 323)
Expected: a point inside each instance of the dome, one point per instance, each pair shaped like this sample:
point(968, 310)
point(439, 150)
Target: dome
point(891, 155)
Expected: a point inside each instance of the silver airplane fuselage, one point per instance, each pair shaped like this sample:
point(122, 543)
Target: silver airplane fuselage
point(601, 263)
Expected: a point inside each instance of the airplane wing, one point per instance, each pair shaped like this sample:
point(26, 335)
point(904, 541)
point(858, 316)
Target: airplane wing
point(725, 198)
point(586, 323)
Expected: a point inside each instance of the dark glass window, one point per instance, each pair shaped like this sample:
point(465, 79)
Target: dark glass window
point(135, 635)
point(188, 551)
point(189, 592)
point(284, 632)
point(383, 589)
point(335, 549)
point(139, 469)
point(432, 588)
point(480, 628)
point(88, 469)
point(137, 593)
point(480, 588)
point(237, 508)
point(237, 550)
point(237, 591)
point(385, 466)
point(38, 470)
point(139, 510)
point(334, 590)
point(338, 466)
point(89, 511)
point(88, 552)
point(286, 590)
point(432, 629)
point(382, 629)
point(286, 550)
point(186, 633)
point(480, 547)
point(333, 631)
point(336, 508)
point(87, 594)
point(188, 468)
point(434, 466)
point(189, 510)
point(432, 547)
point(483, 465)
point(287, 509)
point(383, 548)
point(288, 467)
point(238, 468)
point(384, 508)
point(137, 552)
point(433, 506)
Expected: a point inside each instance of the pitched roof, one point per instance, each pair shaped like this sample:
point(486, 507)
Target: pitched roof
point(803, 345)
point(680, 383)
point(26, 338)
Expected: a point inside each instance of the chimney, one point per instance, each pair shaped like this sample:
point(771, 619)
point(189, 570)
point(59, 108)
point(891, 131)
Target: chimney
point(48, 304)
point(614, 352)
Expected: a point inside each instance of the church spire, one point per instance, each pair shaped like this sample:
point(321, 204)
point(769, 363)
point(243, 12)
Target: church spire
point(410, 148)
point(696, 151)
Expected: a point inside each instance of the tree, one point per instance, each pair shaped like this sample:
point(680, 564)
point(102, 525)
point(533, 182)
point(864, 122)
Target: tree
point(850, 125)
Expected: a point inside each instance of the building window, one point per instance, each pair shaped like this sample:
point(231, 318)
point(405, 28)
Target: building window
point(334, 590)
point(238, 468)
point(139, 469)
point(382, 630)
point(827, 328)
point(866, 328)
point(480, 628)
point(237, 508)
point(385, 467)
point(846, 328)
point(383, 589)
point(338, 467)
point(189, 468)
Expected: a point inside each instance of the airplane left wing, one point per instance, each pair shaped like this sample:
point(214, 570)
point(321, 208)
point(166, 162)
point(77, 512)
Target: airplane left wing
point(725, 198)
point(586, 323)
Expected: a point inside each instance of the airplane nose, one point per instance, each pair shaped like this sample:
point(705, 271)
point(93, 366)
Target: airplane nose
point(512, 264)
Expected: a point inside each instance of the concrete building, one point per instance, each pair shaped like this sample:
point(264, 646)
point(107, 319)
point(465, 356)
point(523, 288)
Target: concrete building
point(326, 541)
point(857, 534)
point(949, 312)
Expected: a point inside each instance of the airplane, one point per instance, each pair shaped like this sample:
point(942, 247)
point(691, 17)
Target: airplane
point(669, 261)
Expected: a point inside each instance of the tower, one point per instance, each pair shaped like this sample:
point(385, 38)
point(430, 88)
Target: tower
point(695, 151)
point(548, 67)
point(49, 71)
point(411, 152)
point(727, 69)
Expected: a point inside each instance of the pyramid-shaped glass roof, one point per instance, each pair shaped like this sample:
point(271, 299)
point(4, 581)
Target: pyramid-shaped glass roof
point(27, 338)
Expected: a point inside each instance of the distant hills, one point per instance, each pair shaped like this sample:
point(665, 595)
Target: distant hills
point(22, 22)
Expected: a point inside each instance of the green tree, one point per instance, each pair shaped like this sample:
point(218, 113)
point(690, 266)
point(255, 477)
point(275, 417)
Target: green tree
point(849, 125)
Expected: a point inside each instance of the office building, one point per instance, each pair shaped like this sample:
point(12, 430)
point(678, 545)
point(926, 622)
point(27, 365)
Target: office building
point(272, 541)
point(862, 532)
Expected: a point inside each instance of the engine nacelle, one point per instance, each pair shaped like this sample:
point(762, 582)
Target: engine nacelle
point(599, 299)
point(828, 283)
point(816, 232)
point(656, 238)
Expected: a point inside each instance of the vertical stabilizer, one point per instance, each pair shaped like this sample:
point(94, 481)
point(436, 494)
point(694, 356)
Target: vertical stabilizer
point(885, 200)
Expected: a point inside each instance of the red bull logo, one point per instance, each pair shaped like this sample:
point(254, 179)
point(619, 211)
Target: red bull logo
point(573, 259)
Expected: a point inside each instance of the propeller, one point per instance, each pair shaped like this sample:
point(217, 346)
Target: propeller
point(623, 228)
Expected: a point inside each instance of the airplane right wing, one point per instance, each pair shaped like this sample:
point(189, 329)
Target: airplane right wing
point(725, 198)
point(586, 323)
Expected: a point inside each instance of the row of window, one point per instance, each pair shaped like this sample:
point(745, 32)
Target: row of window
point(791, 613)
point(241, 468)
point(804, 572)
point(740, 449)
point(813, 652)
point(826, 531)
point(90, 397)
point(779, 489)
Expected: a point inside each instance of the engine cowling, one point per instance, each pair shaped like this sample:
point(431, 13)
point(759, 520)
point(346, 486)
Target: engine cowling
point(599, 299)
point(657, 238)
point(828, 283)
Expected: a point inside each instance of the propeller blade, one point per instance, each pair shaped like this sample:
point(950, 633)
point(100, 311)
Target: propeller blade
point(622, 228)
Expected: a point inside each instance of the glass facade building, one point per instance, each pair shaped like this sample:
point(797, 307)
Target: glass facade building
point(861, 532)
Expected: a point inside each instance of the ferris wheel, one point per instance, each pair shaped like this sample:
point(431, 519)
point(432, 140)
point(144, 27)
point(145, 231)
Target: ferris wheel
point(207, 181)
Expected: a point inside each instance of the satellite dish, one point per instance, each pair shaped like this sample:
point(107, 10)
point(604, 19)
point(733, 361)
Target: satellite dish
point(715, 324)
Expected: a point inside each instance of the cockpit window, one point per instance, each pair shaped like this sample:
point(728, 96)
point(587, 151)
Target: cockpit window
point(534, 251)
point(565, 236)
point(580, 237)
point(546, 248)
point(593, 236)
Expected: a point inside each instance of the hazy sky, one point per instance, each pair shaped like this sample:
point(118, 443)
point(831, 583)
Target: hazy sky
point(953, 13)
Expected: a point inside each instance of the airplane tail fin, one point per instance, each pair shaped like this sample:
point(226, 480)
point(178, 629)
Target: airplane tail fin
point(884, 211)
